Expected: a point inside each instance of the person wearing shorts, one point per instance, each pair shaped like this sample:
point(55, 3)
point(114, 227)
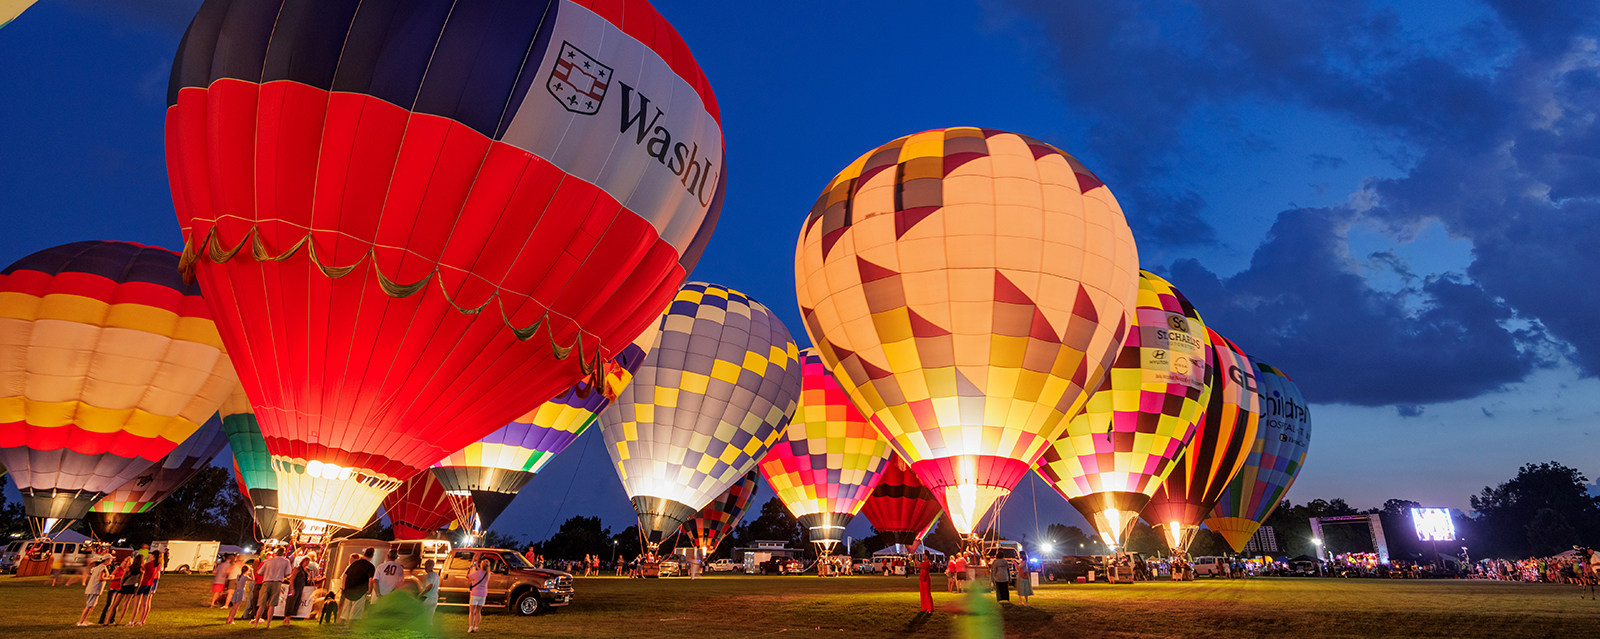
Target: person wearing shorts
point(94, 583)
point(273, 571)
point(478, 582)
point(219, 582)
point(241, 589)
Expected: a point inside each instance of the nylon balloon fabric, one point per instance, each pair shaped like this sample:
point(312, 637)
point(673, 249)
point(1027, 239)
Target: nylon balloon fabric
point(1276, 457)
point(900, 507)
point(10, 9)
point(829, 459)
point(716, 521)
point(494, 469)
point(968, 287)
point(107, 361)
point(1115, 454)
point(715, 393)
point(419, 507)
point(420, 219)
point(1216, 453)
point(112, 513)
point(252, 464)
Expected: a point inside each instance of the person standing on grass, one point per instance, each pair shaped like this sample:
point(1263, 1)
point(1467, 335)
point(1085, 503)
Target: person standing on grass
point(357, 578)
point(298, 581)
point(958, 567)
point(271, 573)
point(478, 583)
point(428, 589)
point(111, 590)
point(129, 590)
point(925, 583)
point(1000, 574)
point(147, 589)
point(241, 589)
point(1024, 581)
point(91, 591)
point(390, 574)
point(219, 581)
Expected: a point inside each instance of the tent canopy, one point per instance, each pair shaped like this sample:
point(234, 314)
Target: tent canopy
point(902, 549)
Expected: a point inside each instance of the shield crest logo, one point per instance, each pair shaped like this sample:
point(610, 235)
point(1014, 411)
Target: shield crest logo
point(578, 81)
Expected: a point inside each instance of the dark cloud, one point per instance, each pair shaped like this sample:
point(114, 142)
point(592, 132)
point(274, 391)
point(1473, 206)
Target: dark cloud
point(1320, 161)
point(1502, 121)
point(1409, 410)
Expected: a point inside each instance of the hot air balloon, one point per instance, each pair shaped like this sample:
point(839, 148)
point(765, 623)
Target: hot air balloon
point(492, 470)
point(1215, 454)
point(901, 509)
point(1116, 453)
point(716, 521)
point(253, 465)
point(420, 507)
point(829, 459)
point(1275, 459)
point(107, 361)
point(10, 9)
point(713, 395)
point(968, 288)
point(419, 220)
point(112, 513)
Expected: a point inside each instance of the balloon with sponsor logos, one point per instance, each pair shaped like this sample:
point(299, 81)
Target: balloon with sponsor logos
point(419, 220)
point(108, 360)
point(10, 9)
point(1221, 442)
point(716, 521)
point(1116, 452)
point(968, 287)
point(829, 459)
point(492, 470)
point(1276, 456)
point(713, 396)
point(115, 511)
point(900, 507)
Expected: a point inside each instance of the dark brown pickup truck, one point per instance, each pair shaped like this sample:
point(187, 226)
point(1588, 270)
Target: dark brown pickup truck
point(513, 582)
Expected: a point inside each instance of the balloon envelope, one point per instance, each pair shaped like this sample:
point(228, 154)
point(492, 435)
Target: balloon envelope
point(714, 394)
point(829, 459)
point(968, 288)
point(716, 521)
point(1115, 454)
point(419, 220)
point(494, 469)
point(107, 361)
point(901, 508)
point(1275, 459)
point(112, 513)
point(1217, 452)
point(420, 507)
point(10, 9)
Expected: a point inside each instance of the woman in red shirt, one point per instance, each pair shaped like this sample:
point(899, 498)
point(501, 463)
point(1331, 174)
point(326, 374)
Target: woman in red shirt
point(147, 588)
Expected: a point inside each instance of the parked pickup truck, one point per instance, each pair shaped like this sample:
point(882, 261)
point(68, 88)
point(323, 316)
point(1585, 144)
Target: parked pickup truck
point(513, 582)
point(723, 565)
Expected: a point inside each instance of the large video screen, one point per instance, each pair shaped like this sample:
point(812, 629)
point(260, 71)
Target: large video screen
point(1433, 524)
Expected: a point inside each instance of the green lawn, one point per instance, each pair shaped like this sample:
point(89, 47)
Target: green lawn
point(739, 606)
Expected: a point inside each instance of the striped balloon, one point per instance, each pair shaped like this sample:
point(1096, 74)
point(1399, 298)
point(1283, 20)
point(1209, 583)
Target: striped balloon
point(901, 509)
point(112, 513)
point(1275, 459)
point(1116, 452)
point(829, 459)
point(716, 521)
point(1217, 452)
point(107, 361)
point(420, 507)
point(494, 469)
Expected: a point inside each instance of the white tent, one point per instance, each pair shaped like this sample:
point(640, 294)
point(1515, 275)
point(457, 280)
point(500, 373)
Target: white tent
point(902, 549)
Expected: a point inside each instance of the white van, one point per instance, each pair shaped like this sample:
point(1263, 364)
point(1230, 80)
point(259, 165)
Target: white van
point(1214, 566)
point(184, 557)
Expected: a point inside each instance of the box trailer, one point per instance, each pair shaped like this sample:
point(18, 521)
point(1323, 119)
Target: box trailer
point(184, 557)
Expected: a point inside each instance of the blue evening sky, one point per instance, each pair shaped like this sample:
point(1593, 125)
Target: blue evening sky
point(1387, 200)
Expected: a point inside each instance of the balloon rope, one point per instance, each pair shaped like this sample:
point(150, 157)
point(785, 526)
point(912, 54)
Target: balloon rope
point(211, 248)
point(570, 482)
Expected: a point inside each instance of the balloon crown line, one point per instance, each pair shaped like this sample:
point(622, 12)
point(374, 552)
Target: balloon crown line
point(212, 248)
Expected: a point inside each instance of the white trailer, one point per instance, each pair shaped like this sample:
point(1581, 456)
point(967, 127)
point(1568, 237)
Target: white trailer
point(187, 556)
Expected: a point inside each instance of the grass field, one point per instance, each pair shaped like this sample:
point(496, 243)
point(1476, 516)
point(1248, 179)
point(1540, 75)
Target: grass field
point(739, 606)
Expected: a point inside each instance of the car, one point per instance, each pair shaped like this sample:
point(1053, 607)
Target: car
point(1214, 566)
point(1071, 567)
point(514, 583)
point(724, 565)
point(670, 568)
point(10, 555)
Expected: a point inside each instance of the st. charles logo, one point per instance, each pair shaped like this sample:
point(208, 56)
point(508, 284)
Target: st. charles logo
point(578, 81)
point(1178, 323)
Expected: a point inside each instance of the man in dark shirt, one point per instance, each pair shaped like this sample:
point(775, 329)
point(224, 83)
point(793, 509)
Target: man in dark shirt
point(357, 576)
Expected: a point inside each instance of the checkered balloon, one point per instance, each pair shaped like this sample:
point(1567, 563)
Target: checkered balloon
point(711, 398)
point(1119, 449)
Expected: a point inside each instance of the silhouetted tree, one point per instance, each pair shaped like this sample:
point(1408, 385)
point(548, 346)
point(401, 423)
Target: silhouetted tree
point(577, 537)
point(1549, 533)
point(1506, 511)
